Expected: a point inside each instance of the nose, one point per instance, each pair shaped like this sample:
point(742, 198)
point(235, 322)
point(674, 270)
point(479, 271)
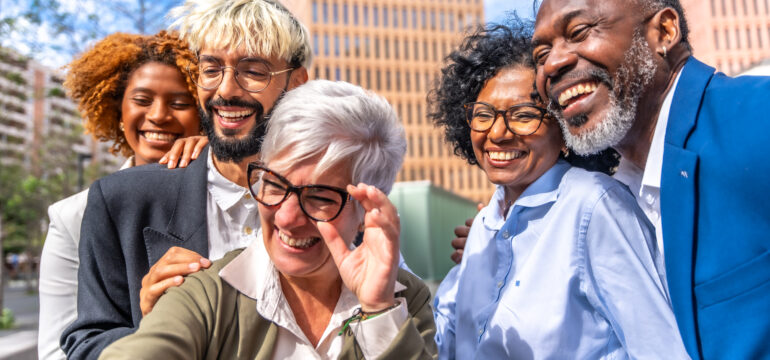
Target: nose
point(499, 132)
point(229, 88)
point(289, 214)
point(158, 112)
point(560, 59)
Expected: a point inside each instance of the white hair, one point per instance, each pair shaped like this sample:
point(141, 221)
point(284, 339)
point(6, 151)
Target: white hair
point(339, 122)
point(263, 27)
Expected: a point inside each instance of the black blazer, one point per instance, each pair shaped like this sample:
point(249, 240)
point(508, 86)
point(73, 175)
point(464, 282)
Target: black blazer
point(132, 218)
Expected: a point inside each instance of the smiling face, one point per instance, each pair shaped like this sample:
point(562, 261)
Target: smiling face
point(233, 117)
point(156, 110)
point(292, 239)
point(594, 66)
point(508, 159)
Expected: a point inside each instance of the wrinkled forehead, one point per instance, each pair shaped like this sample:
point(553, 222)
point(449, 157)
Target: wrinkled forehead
point(554, 15)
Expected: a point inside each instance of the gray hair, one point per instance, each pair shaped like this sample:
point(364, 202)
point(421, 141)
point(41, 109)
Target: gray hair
point(339, 122)
point(263, 27)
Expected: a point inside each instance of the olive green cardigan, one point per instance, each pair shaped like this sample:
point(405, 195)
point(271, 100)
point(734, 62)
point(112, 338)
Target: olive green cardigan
point(206, 318)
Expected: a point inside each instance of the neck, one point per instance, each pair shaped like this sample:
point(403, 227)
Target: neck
point(312, 301)
point(636, 144)
point(235, 171)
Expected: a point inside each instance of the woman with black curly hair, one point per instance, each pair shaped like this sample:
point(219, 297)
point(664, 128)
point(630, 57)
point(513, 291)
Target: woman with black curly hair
point(133, 91)
point(562, 262)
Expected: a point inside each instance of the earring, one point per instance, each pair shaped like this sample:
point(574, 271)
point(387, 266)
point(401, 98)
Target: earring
point(665, 51)
point(565, 151)
point(121, 127)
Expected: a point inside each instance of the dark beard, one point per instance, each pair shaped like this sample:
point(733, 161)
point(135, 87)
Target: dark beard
point(225, 147)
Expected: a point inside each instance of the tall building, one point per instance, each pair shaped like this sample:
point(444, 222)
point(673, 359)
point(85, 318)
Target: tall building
point(34, 107)
point(396, 48)
point(732, 35)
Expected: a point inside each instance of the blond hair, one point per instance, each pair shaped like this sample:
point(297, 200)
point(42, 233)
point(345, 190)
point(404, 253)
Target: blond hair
point(263, 27)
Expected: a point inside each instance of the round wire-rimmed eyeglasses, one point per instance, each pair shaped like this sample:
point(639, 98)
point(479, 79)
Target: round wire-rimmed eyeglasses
point(252, 75)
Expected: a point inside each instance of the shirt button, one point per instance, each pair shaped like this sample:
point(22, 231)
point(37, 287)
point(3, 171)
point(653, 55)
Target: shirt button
point(683, 174)
point(506, 234)
point(650, 199)
point(247, 230)
point(500, 284)
point(247, 196)
point(481, 331)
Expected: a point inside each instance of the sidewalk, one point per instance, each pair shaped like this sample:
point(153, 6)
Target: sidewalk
point(20, 343)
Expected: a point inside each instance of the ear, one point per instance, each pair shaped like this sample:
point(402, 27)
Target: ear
point(664, 32)
point(298, 77)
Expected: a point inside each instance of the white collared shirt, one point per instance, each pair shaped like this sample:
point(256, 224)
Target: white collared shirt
point(231, 212)
point(253, 274)
point(645, 183)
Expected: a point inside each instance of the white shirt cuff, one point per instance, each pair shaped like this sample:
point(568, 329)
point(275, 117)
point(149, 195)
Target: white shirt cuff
point(376, 334)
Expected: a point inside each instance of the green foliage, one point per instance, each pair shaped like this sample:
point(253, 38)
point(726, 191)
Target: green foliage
point(56, 92)
point(7, 319)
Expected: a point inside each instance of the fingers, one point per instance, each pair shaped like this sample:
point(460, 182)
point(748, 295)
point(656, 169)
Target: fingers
point(459, 243)
point(176, 261)
point(149, 296)
point(380, 212)
point(462, 230)
point(479, 206)
point(201, 142)
point(172, 156)
point(457, 256)
point(187, 151)
point(334, 242)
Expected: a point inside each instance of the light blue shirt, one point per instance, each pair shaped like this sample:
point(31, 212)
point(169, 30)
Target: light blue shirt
point(569, 273)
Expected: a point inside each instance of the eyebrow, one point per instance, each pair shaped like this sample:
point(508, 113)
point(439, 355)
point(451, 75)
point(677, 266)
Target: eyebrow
point(246, 58)
point(148, 90)
point(559, 24)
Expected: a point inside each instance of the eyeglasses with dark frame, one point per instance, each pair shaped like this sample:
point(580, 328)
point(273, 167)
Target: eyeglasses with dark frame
point(521, 119)
point(252, 75)
point(318, 202)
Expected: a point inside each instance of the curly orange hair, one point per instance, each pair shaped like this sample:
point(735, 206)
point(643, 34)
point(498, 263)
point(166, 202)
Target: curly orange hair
point(98, 78)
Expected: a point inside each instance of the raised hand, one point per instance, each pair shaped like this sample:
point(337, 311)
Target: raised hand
point(183, 151)
point(168, 272)
point(370, 270)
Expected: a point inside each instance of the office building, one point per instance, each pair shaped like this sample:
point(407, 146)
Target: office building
point(732, 35)
point(396, 48)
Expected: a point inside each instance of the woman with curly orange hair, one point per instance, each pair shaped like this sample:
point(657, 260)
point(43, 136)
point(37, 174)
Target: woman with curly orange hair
point(133, 91)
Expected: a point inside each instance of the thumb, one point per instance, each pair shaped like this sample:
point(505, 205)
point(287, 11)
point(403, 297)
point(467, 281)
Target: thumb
point(334, 242)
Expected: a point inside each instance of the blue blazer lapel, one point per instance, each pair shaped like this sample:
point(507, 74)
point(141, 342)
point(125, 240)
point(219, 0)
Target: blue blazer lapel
point(679, 196)
point(187, 227)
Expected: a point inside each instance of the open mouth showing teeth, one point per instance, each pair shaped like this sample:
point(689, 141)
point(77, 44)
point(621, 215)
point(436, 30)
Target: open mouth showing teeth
point(298, 243)
point(159, 136)
point(234, 116)
point(505, 155)
point(576, 92)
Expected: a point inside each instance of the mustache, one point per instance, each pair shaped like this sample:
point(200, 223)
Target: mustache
point(256, 105)
point(601, 75)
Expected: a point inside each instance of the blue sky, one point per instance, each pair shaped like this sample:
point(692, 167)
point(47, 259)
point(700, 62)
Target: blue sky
point(495, 10)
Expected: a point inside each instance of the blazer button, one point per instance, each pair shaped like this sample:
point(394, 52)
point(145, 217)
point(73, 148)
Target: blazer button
point(683, 174)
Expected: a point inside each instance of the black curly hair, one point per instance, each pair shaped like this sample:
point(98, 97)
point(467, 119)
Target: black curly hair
point(482, 54)
point(479, 58)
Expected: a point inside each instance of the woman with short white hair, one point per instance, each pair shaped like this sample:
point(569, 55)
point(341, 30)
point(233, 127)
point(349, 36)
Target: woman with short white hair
point(302, 290)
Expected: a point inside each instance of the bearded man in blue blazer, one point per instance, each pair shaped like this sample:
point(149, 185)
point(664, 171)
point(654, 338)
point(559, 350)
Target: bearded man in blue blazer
point(620, 73)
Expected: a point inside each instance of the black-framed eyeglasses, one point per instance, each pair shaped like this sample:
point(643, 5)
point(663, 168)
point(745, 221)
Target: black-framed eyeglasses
point(318, 202)
point(252, 75)
point(520, 119)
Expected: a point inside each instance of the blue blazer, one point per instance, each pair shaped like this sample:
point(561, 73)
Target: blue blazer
point(132, 218)
point(715, 204)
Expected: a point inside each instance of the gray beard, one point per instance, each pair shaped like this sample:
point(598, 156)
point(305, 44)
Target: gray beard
point(637, 70)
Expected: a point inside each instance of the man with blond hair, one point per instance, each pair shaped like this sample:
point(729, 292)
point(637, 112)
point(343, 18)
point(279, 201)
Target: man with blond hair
point(177, 221)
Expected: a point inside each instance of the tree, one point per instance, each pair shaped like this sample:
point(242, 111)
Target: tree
point(53, 31)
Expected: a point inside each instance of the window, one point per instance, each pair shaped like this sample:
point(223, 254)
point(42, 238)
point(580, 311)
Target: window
point(441, 20)
point(357, 45)
point(727, 39)
point(336, 45)
point(735, 10)
point(408, 83)
point(327, 45)
point(425, 23)
point(337, 74)
point(387, 80)
point(759, 37)
point(347, 45)
point(385, 13)
point(716, 39)
point(432, 20)
point(335, 13)
point(347, 75)
point(737, 39)
point(748, 38)
point(355, 14)
point(365, 15)
point(395, 17)
point(745, 10)
point(396, 46)
point(724, 8)
point(345, 14)
point(398, 81)
point(376, 15)
point(315, 44)
point(377, 48)
point(406, 50)
point(315, 12)
point(404, 21)
point(756, 7)
point(387, 48)
point(326, 13)
point(414, 19)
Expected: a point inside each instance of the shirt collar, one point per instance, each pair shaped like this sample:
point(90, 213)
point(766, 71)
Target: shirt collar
point(225, 192)
point(542, 191)
point(654, 164)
